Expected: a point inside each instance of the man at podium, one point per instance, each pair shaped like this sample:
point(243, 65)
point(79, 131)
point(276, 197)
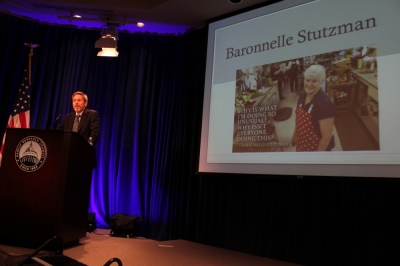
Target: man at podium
point(84, 121)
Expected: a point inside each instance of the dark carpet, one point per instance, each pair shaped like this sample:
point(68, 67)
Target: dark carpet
point(353, 134)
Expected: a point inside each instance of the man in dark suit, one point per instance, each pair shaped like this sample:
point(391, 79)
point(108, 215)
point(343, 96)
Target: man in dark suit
point(84, 121)
point(277, 75)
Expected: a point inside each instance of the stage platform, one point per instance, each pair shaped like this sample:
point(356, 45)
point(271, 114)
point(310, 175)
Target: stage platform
point(98, 248)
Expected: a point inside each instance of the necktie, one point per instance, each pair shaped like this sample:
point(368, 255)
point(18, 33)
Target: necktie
point(76, 123)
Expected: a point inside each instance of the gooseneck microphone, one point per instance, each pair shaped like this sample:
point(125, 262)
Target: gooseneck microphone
point(55, 120)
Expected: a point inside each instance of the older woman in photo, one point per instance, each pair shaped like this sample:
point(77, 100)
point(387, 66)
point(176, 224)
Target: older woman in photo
point(315, 114)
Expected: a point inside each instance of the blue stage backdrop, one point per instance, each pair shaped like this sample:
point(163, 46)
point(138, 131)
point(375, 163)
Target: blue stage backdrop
point(149, 100)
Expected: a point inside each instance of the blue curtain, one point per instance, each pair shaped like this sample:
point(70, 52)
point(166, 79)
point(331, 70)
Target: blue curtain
point(146, 97)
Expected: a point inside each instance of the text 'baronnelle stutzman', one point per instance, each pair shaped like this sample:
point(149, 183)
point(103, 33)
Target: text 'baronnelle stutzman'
point(302, 36)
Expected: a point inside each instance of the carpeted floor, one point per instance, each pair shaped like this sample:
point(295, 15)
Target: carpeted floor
point(98, 248)
point(353, 134)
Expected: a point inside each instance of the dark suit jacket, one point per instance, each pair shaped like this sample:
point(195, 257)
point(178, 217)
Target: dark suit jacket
point(89, 125)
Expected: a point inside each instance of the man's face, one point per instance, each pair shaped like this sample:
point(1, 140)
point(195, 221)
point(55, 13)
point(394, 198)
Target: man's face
point(78, 103)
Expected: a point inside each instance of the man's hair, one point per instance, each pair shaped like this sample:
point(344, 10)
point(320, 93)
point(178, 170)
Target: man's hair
point(85, 98)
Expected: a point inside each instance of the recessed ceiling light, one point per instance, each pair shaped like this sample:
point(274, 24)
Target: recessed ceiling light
point(235, 1)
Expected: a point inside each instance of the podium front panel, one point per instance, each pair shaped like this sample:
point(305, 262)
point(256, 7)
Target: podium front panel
point(44, 186)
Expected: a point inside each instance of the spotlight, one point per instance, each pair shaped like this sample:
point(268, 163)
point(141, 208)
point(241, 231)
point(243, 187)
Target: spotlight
point(108, 42)
point(110, 52)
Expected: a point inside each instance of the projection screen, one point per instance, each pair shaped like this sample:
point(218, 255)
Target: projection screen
point(249, 128)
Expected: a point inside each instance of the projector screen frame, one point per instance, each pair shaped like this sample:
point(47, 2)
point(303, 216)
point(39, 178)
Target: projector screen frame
point(296, 169)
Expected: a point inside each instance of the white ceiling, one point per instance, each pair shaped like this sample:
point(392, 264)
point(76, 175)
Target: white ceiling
point(159, 16)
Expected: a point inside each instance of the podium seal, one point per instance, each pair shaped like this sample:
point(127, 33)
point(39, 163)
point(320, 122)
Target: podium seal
point(30, 154)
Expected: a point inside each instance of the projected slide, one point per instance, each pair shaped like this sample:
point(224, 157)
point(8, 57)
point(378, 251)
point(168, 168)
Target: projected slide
point(268, 109)
point(257, 100)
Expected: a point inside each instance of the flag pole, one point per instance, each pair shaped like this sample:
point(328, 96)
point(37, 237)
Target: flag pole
point(32, 46)
point(20, 115)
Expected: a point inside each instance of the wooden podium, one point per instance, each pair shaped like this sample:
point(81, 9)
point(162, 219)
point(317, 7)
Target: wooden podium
point(45, 180)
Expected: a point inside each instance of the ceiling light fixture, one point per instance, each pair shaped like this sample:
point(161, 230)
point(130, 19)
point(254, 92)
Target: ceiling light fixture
point(108, 42)
point(108, 52)
point(122, 22)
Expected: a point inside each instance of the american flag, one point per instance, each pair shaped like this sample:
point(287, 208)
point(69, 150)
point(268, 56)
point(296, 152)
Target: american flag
point(20, 115)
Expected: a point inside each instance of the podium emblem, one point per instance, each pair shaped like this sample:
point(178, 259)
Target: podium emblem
point(30, 154)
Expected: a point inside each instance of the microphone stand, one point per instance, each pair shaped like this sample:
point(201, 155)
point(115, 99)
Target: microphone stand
point(52, 124)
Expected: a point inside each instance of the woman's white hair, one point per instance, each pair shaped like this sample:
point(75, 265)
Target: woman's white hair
point(316, 71)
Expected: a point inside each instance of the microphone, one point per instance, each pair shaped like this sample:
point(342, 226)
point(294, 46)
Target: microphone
point(52, 124)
